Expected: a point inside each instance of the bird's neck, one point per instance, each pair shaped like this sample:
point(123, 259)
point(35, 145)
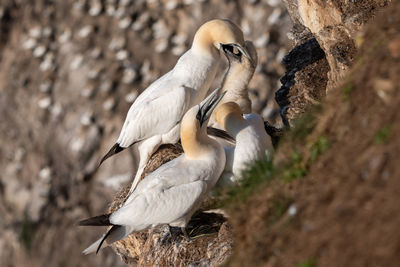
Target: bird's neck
point(233, 124)
point(236, 80)
point(196, 145)
point(204, 44)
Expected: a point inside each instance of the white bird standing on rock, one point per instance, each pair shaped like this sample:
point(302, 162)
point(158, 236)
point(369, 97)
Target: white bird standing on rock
point(252, 141)
point(173, 192)
point(154, 118)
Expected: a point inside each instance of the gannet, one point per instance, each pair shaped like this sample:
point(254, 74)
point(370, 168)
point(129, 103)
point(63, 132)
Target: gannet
point(172, 193)
point(154, 118)
point(252, 141)
point(241, 66)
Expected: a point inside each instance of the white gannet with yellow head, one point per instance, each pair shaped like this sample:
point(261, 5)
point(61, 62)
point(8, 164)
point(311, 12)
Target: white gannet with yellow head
point(173, 192)
point(154, 118)
point(242, 64)
point(252, 141)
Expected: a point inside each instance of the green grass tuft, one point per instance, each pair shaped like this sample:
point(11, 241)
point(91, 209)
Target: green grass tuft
point(382, 135)
point(303, 126)
point(294, 169)
point(347, 89)
point(319, 147)
point(259, 172)
point(307, 263)
point(27, 233)
point(279, 208)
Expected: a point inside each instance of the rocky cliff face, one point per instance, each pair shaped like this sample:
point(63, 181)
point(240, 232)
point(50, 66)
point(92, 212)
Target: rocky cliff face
point(335, 25)
point(336, 201)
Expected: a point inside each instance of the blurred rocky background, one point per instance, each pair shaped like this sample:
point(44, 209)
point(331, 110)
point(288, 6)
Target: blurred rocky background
point(69, 71)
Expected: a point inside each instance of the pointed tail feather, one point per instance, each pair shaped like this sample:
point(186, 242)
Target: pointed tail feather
point(102, 220)
point(114, 150)
point(113, 229)
point(115, 233)
point(92, 248)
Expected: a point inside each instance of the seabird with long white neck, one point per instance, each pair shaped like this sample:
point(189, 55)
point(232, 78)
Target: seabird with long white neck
point(241, 66)
point(252, 141)
point(172, 193)
point(154, 118)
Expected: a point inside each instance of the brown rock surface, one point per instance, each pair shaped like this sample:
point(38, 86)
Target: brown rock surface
point(335, 25)
point(344, 211)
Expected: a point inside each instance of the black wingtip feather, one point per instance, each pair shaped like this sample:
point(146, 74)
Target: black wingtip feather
point(115, 227)
point(115, 149)
point(220, 133)
point(101, 220)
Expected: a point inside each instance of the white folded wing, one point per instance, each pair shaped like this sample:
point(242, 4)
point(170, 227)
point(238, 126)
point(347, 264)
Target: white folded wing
point(165, 196)
point(156, 112)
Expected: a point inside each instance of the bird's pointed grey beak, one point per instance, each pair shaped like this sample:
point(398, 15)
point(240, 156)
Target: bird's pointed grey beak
point(207, 106)
point(228, 48)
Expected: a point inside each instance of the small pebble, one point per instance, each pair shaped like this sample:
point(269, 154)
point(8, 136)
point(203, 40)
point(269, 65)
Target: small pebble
point(93, 73)
point(65, 36)
point(47, 31)
point(56, 110)
point(109, 104)
point(125, 2)
point(76, 144)
point(87, 119)
point(95, 53)
point(129, 75)
point(78, 6)
point(131, 97)
point(29, 44)
point(110, 10)
point(95, 8)
point(45, 174)
point(19, 154)
point(161, 30)
point(47, 63)
point(262, 41)
point(106, 86)
point(87, 92)
point(117, 43)
point(120, 12)
point(178, 50)
point(39, 51)
point(122, 55)
point(124, 23)
point(35, 32)
point(292, 210)
point(161, 45)
point(274, 17)
point(179, 39)
point(171, 5)
point(85, 31)
point(140, 23)
point(76, 62)
point(44, 103)
point(45, 87)
point(273, 3)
